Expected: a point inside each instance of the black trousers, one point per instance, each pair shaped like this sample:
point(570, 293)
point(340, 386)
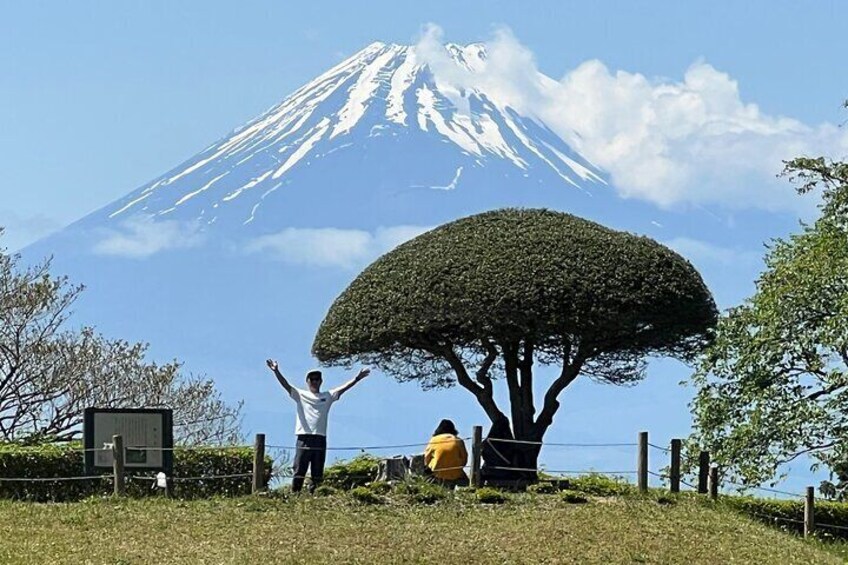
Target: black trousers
point(311, 453)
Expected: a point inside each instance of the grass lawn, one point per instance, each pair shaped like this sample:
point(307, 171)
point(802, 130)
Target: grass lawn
point(526, 529)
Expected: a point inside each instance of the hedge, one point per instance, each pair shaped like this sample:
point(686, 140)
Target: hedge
point(48, 461)
point(789, 514)
point(356, 472)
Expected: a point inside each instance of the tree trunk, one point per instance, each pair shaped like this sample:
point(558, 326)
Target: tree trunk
point(519, 378)
point(520, 401)
point(527, 457)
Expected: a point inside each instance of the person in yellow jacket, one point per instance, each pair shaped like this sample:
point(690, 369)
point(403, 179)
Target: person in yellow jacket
point(446, 456)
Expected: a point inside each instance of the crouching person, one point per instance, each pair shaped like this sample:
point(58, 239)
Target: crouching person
point(446, 456)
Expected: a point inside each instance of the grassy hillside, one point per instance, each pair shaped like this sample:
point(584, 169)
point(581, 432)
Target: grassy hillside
point(525, 529)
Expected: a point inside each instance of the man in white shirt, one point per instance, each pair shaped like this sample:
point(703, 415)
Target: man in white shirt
point(313, 406)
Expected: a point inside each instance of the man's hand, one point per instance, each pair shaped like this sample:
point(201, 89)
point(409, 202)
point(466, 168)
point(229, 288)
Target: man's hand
point(345, 387)
point(280, 378)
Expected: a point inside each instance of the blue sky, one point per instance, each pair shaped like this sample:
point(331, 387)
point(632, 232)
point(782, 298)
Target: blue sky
point(98, 98)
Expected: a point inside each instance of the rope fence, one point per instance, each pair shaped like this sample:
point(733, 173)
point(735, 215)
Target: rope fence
point(765, 489)
point(200, 478)
point(554, 444)
point(363, 447)
point(658, 448)
point(707, 474)
point(54, 479)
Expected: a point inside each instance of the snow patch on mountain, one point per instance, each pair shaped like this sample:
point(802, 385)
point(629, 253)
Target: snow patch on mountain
point(384, 92)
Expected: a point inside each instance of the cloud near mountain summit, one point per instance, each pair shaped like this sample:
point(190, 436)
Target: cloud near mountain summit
point(670, 142)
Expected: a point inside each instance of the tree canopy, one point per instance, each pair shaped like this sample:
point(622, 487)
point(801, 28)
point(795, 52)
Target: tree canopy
point(774, 385)
point(497, 291)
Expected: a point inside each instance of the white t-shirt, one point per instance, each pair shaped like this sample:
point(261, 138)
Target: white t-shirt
point(312, 410)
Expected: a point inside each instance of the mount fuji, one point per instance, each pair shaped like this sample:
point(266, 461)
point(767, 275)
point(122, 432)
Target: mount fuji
point(235, 255)
point(378, 130)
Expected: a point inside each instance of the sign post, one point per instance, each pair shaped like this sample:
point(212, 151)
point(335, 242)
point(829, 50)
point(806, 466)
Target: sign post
point(147, 434)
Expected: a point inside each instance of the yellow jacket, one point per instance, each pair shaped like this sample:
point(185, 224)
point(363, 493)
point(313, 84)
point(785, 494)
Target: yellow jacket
point(445, 456)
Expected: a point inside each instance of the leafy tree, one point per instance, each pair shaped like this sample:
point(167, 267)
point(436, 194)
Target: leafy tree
point(774, 384)
point(49, 374)
point(491, 295)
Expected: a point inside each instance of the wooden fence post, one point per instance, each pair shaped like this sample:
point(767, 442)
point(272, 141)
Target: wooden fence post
point(118, 464)
point(703, 471)
point(642, 462)
point(259, 464)
point(674, 470)
point(714, 482)
point(476, 453)
point(810, 512)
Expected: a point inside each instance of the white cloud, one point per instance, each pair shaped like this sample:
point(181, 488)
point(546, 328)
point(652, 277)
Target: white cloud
point(701, 252)
point(141, 236)
point(670, 142)
point(17, 231)
point(332, 247)
point(509, 73)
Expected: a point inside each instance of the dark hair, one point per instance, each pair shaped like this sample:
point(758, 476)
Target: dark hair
point(446, 427)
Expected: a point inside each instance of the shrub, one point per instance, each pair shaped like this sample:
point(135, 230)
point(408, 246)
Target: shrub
point(55, 461)
point(543, 488)
point(380, 487)
point(356, 472)
point(488, 495)
point(573, 498)
point(429, 494)
point(419, 489)
point(326, 490)
point(600, 485)
point(789, 514)
point(366, 496)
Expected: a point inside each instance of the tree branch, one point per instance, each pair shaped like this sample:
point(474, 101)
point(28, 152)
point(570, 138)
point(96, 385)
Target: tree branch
point(570, 371)
point(484, 397)
point(483, 372)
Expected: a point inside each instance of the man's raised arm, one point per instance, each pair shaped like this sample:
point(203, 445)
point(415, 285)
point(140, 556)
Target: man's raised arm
point(348, 385)
point(276, 368)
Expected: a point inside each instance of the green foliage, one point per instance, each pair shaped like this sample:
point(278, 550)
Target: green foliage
point(423, 492)
point(543, 488)
point(774, 383)
point(326, 490)
point(366, 496)
point(380, 487)
point(789, 514)
point(40, 462)
point(571, 497)
point(488, 495)
point(600, 485)
point(209, 462)
point(430, 494)
point(520, 275)
point(346, 475)
point(44, 462)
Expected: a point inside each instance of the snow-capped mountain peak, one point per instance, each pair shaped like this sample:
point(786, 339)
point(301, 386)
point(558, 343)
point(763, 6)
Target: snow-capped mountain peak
point(386, 95)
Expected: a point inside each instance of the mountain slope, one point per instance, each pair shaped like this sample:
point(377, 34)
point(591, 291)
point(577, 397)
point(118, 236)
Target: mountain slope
point(428, 135)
